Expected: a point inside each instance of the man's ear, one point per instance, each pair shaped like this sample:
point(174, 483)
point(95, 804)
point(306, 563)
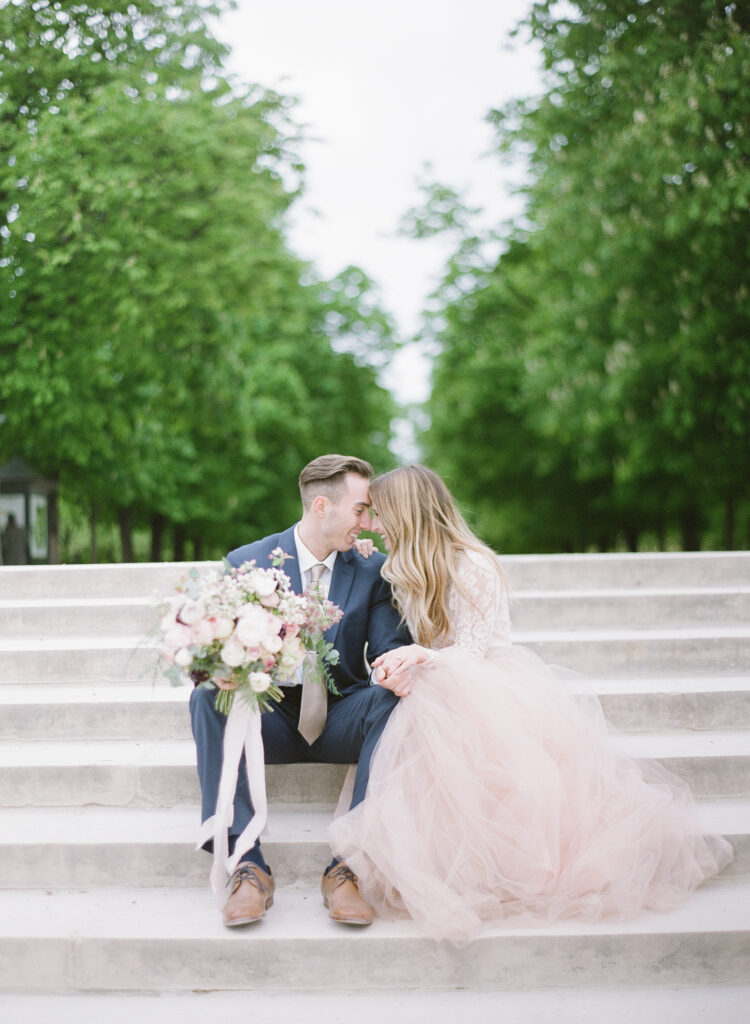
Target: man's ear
point(320, 505)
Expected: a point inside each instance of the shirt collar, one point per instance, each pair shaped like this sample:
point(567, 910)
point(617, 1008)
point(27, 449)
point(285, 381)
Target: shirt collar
point(307, 559)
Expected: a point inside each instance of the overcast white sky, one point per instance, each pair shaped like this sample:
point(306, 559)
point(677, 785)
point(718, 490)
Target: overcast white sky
point(386, 87)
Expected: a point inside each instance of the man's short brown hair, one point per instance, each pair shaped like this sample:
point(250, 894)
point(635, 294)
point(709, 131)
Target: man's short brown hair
point(325, 475)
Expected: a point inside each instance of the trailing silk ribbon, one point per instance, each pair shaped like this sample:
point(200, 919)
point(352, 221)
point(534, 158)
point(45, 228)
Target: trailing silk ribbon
point(242, 733)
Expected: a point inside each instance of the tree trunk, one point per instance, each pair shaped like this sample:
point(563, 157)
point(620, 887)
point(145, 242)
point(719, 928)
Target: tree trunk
point(197, 549)
point(729, 525)
point(158, 523)
point(179, 542)
point(94, 550)
point(690, 525)
point(125, 520)
point(631, 538)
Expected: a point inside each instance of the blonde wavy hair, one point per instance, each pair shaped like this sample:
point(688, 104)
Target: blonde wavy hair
point(427, 535)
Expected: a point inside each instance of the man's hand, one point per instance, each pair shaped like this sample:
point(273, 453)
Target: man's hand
point(391, 670)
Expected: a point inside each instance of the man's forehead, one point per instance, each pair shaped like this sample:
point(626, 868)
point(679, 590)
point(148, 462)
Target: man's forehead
point(358, 489)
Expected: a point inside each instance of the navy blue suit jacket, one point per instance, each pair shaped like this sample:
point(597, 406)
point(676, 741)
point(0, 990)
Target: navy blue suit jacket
point(370, 622)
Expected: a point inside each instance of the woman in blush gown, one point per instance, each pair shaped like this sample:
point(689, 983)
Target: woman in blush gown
point(495, 792)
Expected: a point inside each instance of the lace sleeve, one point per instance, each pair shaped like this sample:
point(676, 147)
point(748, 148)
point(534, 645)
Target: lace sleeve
point(484, 620)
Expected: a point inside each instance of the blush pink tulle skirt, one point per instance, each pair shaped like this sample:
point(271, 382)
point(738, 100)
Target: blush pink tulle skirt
point(495, 792)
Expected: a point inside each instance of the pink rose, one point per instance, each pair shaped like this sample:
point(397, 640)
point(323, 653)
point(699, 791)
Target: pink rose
point(191, 612)
point(177, 636)
point(202, 632)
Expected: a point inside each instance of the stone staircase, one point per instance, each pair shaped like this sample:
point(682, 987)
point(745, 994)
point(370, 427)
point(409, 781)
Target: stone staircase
point(102, 893)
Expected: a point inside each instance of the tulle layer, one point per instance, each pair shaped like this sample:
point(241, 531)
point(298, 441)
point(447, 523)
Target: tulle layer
point(495, 792)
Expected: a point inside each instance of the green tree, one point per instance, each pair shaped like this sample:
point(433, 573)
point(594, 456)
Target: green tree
point(163, 352)
point(632, 343)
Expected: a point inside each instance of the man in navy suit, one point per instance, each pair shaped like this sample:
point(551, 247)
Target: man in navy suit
point(335, 508)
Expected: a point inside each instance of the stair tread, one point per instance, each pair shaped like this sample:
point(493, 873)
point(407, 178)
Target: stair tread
point(298, 913)
point(138, 825)
point(435, 1005)
point(127, 642)
point(147, 600)
point(286, 823)
point(163, 692)
point(41, 753)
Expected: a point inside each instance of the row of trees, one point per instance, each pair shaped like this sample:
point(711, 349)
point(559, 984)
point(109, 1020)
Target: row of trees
point(592, 385)
point(163, 353)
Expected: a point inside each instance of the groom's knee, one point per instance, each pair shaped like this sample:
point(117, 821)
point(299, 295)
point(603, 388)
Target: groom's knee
point(381, 704)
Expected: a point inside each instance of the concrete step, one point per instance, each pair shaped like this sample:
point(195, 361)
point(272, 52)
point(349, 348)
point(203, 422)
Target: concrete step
point(630, 609)
point(142, 773)
point(609, 571)
point(622, 653)
point(618, 653)
point(162, 773)
point(88, 847)
point(668, 1005)
point(85, 847)
point(131, 712)
point(125, 616)
point(689, 570)
point(171, 939)
point(639, 608)
point(112, 580)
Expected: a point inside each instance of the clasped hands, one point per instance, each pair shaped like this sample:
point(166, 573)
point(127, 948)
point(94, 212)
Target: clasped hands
point(391, 670)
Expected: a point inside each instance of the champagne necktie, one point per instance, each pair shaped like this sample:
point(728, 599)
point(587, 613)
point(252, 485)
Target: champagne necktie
point(314, 703)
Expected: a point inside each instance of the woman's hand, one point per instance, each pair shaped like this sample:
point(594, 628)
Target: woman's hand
point(364, 546)
point(391, 670)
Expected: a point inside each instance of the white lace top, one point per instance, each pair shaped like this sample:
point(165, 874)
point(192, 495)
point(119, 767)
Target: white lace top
point(484, 622)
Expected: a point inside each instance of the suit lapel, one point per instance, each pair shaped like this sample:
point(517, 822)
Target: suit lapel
point(291, 566)
point(341, 583)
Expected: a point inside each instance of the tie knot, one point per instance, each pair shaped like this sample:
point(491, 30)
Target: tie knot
point(316, 572)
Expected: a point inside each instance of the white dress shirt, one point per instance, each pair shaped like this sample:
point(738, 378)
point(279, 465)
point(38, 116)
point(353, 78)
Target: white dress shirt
point(306, 560)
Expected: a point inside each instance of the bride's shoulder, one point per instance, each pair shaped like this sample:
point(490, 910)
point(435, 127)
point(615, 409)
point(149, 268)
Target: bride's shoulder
point(473, 564)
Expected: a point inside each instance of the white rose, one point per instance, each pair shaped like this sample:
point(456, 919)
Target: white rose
point(263, 585)
point(183, 658)
point(222, 626)
point(272, 643)
point(259, 681)
point(233, 653)
point(257, 626)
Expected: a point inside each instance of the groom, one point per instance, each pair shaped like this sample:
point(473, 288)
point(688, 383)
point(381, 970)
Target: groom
point(305, 726)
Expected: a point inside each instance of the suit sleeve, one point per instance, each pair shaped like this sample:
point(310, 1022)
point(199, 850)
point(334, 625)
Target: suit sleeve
point(385, 630)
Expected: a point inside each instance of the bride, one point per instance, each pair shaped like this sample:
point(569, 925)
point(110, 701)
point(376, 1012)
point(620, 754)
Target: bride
point(494, 791)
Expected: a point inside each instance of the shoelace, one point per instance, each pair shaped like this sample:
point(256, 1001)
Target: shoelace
point(245, 873)
point(341, 873)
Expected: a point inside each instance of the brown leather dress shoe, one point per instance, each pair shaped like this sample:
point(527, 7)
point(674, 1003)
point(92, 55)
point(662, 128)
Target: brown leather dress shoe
point(251, 894)
point(342, 896)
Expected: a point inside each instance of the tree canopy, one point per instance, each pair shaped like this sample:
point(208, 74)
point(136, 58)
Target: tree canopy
point(600, 369)
point(164, 353)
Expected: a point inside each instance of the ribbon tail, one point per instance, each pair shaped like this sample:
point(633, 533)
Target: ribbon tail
point(234, 740)
point(256, 782)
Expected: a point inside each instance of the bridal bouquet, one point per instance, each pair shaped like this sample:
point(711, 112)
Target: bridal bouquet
point(245, 632)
